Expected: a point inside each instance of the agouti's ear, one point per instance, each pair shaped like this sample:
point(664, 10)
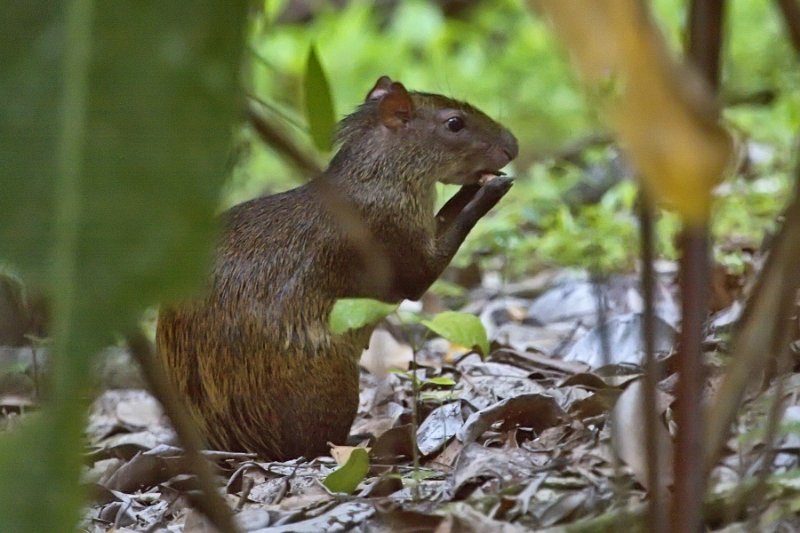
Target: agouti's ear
point(394, 103)
point(396, 107)
point(382, 87)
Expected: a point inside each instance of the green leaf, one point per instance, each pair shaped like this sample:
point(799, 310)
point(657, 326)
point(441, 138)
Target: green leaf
point(318, 103)
point(115, 126)
point(409, 317)
point(347, 477)
point(438, 396)
point(460, 328)
point(443, 287)
point(441, 380)
point(354, 313)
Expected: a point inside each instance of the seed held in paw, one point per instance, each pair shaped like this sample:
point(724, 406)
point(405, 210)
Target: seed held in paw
point(486, 178)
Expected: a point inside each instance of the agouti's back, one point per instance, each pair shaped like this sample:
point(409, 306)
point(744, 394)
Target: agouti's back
point(254, 358)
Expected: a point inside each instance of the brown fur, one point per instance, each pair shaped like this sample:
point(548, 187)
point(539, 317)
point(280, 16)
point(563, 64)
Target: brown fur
point(254, 358)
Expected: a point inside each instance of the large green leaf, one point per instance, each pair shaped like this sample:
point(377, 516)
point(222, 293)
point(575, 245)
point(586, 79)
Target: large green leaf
point(354, 313)
point(318, 103)
point(461, 328)
point(115, 129)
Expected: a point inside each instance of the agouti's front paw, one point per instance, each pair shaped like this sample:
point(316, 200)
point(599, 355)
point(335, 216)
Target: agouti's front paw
point(495, 188)
point(488, 195)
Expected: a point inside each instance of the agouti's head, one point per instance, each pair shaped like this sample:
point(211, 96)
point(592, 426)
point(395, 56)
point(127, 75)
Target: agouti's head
point(417, 135)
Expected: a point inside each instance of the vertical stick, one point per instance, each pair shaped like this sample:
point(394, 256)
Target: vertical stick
point(209, 502)
point(791, 17)
point(688, 461)
point(657, 512)
point(704, 48)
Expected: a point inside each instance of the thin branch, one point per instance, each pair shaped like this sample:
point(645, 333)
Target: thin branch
point(704, 46)
point(573, 150)
point(762, 328)
point(209, 502)
point(791, 17)
point(656, 514)
point(276, 139)
point(687, 463)
point(771, 438)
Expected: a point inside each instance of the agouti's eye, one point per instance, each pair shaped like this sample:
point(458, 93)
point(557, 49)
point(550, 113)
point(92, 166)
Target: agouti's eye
point(455, 124)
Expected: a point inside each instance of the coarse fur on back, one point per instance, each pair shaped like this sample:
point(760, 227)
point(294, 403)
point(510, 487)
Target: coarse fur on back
point(254, 358)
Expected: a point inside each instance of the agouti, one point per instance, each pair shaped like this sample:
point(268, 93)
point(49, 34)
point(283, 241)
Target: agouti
point(254, 358)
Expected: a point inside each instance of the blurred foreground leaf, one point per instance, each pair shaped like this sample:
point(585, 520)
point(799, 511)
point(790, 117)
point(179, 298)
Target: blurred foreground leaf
point(664, 115)
point(115, 128)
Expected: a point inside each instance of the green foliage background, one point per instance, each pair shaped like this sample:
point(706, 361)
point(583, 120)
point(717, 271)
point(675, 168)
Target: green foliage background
point(503, 58)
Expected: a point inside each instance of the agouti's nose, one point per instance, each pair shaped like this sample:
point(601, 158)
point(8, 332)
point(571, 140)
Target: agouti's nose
point(510, 146)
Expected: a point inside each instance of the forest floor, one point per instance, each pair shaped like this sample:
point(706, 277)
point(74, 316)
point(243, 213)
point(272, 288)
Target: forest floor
point(545, 434)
